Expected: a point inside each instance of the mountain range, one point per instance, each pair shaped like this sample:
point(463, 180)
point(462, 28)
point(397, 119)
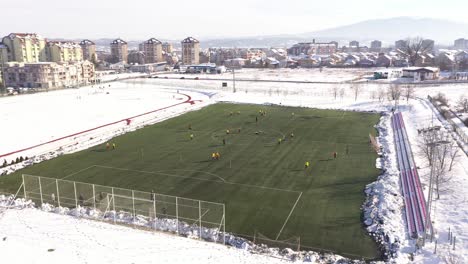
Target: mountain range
point(388, 30)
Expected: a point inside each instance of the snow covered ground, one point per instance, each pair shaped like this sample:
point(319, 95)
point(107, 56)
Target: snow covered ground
point(38, 118)
point(54, 238)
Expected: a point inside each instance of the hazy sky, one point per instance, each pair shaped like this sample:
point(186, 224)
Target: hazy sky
point(141, 19)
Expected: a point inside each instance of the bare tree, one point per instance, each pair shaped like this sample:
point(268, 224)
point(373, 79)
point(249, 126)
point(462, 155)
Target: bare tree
point(394, 93)
point(454, 154)
point(462, 103)
point(342, 92)
point(408, 92)
point(356, 88)
point(415, 47)
point(381, 93)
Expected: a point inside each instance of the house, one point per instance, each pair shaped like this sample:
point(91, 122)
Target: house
point(309, 61)
point(366, 62)
point(421, 73)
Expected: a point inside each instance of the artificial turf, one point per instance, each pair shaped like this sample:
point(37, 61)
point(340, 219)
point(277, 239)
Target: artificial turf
point(261, 182)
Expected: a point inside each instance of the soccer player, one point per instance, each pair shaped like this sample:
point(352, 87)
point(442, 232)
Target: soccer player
point(279, 141)
point(224, 142)
point(107, 145)
point(256, 119)
point(307, 164)
point(113, 146)
point(191, 136)
point(292, 135)
point(213, 156)
point(217, 156)
point(335, 154)
point(227, 131)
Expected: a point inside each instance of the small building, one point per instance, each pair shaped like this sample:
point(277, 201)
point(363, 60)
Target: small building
point(421, 73)
point(383, 60)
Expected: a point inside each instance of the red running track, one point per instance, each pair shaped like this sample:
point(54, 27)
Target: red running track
point(188, 100)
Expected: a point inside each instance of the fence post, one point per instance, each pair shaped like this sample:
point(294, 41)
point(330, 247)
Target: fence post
point(435, 248)
point(40, 189)
point(76, 199)
point(224, 224)
point(454, 239)
point(58, 194)
point(154, 206)
point(177, 214)
point(113, 204)
point(133, 205)
point(199, 217)
point(24, 188)
point(94, 198)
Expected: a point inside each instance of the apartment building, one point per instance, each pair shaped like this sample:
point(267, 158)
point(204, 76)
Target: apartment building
point(89, 50)
point(64, 51)
point(49, 75)
point(190, 51)
point(119, 51)
point(25, 47)
point(376, 45)
point(167, 47)
point(312, 48)
point(153, 50)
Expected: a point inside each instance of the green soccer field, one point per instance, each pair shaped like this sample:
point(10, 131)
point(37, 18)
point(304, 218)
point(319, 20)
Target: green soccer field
point(262, 182)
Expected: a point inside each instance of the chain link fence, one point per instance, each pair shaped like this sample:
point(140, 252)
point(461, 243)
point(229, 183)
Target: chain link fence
point(180, 215)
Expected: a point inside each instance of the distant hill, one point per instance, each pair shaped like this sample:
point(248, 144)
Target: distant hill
point(391, 29)
point(387, 30)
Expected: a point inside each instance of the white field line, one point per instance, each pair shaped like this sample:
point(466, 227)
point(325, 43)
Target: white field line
point(76, 172)
point(201, 179)
point(290, 213)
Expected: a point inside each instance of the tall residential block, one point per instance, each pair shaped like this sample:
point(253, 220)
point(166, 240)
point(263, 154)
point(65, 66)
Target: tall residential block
point(25, 47)
point(167, 47)
point(190, 51)
point(89, 50)
point(64, 51)
point(119, 51)
point(153, 50)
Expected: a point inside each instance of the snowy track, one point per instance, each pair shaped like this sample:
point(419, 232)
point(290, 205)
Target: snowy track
point(415, 206)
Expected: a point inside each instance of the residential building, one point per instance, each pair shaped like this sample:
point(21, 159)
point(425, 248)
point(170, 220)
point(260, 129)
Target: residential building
point(119, 51)
point(376, 45)
point(190, 51)
point(89, 50)
point(461, 44)
point(153, 50)
point(49, 75)
point(64, 51)
point(383, 60)
point(3, 53)
point(421, 73)
point(167, 47)
point(401, 44)
point(428, 44)
point(354, 43)
point(25, 47)
point(312, 48)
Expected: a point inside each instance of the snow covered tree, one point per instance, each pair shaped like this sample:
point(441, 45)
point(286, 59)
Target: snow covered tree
point(408, 92)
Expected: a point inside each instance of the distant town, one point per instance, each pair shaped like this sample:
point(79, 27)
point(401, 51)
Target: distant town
point(29, 61)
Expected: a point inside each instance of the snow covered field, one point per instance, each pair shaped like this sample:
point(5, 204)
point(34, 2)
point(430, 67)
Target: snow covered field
point(56, 114)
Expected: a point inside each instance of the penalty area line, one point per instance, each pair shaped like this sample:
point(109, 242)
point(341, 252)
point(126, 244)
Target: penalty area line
point(287, 219)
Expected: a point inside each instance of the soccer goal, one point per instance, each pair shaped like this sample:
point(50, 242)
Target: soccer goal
point(180, 215)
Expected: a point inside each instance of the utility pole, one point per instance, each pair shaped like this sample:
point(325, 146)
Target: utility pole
point(233, 80)
point(2, 69)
